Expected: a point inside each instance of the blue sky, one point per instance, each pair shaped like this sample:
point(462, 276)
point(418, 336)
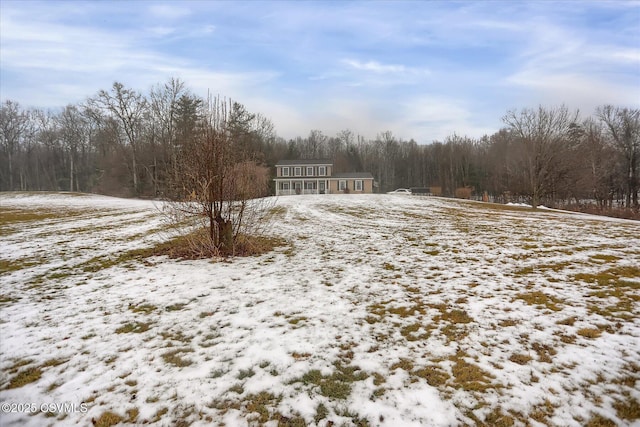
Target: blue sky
point(421, 69)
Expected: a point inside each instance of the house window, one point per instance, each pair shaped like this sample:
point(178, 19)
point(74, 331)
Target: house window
point(285, 186)
point(322, 170)
point(342, 185)
point(285, 171)
point(298, 171)
point(358, 185)
point(309, 185)
point(309, 171)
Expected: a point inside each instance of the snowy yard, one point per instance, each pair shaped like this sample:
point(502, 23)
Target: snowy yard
point(382, 310)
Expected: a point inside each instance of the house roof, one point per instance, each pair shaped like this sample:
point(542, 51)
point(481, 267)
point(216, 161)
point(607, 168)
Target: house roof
point(351, 175)
point(305, 162)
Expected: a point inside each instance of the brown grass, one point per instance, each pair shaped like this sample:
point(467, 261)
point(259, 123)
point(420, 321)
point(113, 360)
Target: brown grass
point(25, 377)
point(598, 420)
point(540, 299)
point(589, 332)
point(520, 359)
point(629, 410)
point(107, 419)
point(470, 377)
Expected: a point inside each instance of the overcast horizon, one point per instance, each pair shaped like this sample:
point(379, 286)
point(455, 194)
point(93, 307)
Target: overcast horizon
point(422, 70)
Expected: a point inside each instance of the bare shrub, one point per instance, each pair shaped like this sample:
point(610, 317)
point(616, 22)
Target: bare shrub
point(218, 192)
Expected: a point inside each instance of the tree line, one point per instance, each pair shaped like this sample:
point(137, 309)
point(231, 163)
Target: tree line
point(128, 143)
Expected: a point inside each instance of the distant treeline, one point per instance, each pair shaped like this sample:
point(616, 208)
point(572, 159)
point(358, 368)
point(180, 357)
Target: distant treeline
point(124, 142)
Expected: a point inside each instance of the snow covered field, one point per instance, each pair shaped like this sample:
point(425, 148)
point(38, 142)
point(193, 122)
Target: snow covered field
point(382, 310)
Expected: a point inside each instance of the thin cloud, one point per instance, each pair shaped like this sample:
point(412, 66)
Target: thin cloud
point(375, 66)
point(169, 11)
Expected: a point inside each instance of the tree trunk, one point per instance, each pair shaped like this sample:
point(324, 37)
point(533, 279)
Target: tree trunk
point(10, 171)
point(225, 234)
point(71, 174)
point(135, 174)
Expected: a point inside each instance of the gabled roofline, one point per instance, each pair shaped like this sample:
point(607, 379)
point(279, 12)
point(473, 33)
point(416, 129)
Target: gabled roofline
point(305, 162)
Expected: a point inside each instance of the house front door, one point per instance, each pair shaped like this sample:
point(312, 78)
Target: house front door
point(321, 188)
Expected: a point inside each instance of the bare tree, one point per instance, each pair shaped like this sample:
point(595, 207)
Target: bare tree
point(623, 128)
point(219, 180)
point(540, 135)
point(74, 135)
point(14, 124)
point(128, 107)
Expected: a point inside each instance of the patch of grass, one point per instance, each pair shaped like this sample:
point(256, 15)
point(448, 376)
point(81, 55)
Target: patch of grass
point(544, 352)
point(300, 356)
point(497, 418)
point(4, 299)
point(173, 357)
point(277, 211)
point(628, 410)
point(321, 413)
point(296, 320)
point(15, 216)
point(454, 333)
point(9, 266)
point(175, 307)
point(540, 299)
point(455, 316)
point(589, 332)
point(403, 363)
point(569, 321)
point(132, 414)
point(434, 376)
point(520, 359)
point(180, 337)
point(245, 373)
point(143, 308)
point(507, 322)
point(159, 414)
point(409, 332)
point(598, 420)
point(260, 403)
point(54, 362)
point(389, 267)
point(612, 276)
point(605, 258)
point(25, 377)
point(338, 384)
point(108, 419)
point(237, 388)
point(19, 364)
point(623, 310)
point(136, 328)
point(470, 377)
point(542, 412)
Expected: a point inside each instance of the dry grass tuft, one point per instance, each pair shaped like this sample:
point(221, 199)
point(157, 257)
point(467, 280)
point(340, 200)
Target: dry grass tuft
point(520, 359)
point(107, 419)
point(25, 377)
point(434, 376)
point(589, 332)
point(470, 377)
point(628, 410)
point(598, 420)
point(540, 299)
